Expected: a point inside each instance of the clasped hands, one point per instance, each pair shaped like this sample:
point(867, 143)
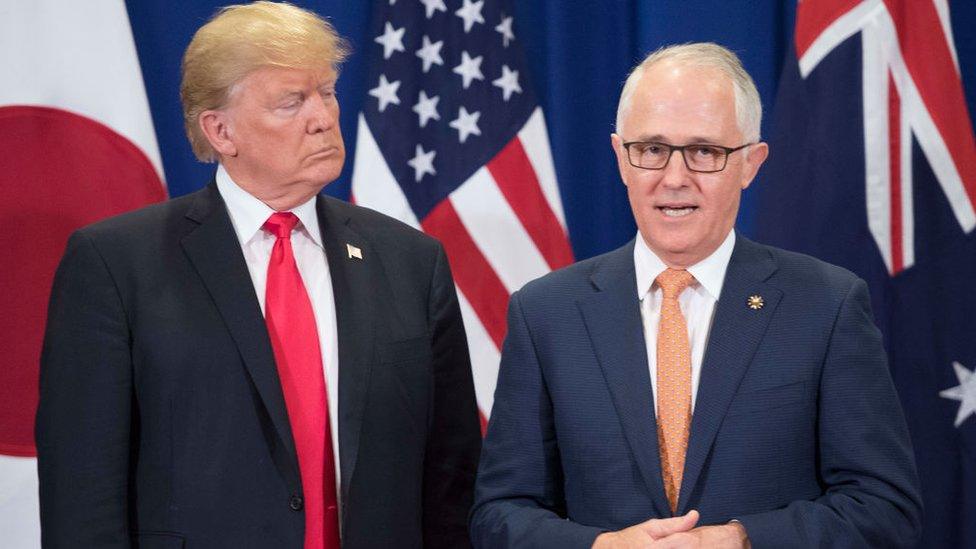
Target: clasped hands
point(674, 533)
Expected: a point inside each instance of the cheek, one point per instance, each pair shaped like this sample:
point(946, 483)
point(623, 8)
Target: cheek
point(725, 202)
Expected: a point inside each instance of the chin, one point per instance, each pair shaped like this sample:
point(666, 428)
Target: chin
point(324, 175)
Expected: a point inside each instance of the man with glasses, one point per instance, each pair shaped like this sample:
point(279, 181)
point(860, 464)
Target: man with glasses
point(694, 388)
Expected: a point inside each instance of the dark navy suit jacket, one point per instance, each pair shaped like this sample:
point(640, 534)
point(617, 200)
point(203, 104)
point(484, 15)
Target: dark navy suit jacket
point(797, 431)
point(162, 422)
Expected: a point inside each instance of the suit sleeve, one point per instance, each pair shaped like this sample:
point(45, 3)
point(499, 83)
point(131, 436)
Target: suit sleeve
point(454, 439)
point(84, 415)
point(866, 464)
point(519, 499)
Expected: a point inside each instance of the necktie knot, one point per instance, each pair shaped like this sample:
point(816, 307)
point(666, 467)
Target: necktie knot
point(674, 281)
point(281, 224)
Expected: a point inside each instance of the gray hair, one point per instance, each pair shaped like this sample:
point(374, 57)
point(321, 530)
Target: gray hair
point(748, 106)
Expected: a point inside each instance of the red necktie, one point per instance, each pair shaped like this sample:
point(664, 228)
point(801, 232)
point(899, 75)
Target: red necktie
point(295, 341)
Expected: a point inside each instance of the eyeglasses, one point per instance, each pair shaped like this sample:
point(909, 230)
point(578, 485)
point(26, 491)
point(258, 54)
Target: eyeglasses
point(651, 155)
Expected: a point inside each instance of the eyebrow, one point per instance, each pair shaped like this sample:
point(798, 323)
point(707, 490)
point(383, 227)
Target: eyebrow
point(658, 138)
point(288, 94)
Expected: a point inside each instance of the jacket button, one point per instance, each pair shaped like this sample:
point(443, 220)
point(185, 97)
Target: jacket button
point(296, 503)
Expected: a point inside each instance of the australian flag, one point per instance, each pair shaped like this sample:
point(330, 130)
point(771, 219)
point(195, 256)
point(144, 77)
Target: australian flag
point(452, 141)
point(873, 167)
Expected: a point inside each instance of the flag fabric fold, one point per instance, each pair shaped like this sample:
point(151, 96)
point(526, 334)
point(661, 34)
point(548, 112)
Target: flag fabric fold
point(452, 141)
point(874, 168)
point(78, 146)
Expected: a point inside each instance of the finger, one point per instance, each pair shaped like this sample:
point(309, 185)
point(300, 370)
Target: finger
point(658, 528)
point(679, 540)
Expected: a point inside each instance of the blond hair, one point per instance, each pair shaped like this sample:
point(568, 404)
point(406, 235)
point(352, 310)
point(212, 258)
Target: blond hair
point(748, 106)
point(240, 39)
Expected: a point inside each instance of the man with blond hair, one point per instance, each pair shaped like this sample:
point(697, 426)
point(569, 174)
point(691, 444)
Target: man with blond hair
point(253, 364)
point(694, 388)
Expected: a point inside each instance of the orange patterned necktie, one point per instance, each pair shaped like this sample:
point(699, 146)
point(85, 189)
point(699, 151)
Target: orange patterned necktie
point(673, 382)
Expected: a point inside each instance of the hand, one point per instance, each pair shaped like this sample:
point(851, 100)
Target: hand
point(726, 536)
point(644, 534)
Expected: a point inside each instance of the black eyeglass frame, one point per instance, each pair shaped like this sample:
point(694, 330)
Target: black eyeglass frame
point(681, 149)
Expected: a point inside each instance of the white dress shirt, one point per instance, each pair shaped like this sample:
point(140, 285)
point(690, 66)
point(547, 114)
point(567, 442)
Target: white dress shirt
point(248, 215)
point(697, 303)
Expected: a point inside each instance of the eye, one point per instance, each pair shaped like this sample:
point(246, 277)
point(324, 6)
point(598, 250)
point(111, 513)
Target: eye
point(704, 151)
point(327, 93)
point(650, 149)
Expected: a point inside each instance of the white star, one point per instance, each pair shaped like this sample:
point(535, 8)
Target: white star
point(431, 53)
point(965, 392)
point(392, 40)
point(426, 108)
point(508, 82)
point(432, 6)
point(422, 163)
point(469, 69)
point(505, 28)
point(471, 13)
point(386, 92)
point(466, 124)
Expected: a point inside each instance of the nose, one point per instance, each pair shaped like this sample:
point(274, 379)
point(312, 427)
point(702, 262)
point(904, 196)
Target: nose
point(675, 173)
point(323, 113)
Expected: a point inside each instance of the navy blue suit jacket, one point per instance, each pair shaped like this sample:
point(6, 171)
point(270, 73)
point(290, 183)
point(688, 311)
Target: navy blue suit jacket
point(797, 431)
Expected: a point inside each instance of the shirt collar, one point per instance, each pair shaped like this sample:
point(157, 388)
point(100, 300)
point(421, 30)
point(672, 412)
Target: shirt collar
point(709, 273)
point(248, 214)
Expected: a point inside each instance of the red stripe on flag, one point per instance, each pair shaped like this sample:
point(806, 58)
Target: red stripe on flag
point(472, 273)
point(812, 18)
point(517, 180)
point(894, 166)
point(926, 51)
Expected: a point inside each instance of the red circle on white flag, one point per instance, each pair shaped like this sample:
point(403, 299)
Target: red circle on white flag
point(58, 171)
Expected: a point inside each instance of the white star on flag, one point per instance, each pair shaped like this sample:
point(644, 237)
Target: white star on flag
point(505, 28)
point(426, 108)
point(469, 69)
point(432, 6)
point(466, 124)
point(422, 163)
point(431, 53)
point(391, 39)
point(508, 82)
point(386, 92)
point(471, 13)
point(965, 393)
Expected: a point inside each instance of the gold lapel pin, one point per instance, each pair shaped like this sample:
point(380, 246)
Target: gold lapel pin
point(755, 302)
point(353, 251)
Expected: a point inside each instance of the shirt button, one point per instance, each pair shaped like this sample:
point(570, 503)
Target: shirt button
point(296, 503)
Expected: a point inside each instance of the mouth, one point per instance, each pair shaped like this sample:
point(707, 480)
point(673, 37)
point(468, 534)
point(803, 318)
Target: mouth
point(328, 151)
point(677, 210)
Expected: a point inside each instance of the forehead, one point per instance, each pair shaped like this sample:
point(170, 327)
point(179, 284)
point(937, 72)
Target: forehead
point(273, 80)
point(681, 103)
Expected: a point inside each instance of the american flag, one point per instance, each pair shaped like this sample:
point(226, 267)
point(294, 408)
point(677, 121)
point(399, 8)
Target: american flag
point(451, 140)
point(873, 167)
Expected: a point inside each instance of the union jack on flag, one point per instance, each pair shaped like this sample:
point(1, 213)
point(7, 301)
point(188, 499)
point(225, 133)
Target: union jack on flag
point(873, 167)
point(451, 140)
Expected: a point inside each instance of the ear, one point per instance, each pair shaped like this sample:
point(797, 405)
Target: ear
point(216, 127)
point(617, 143)
point(754, 159)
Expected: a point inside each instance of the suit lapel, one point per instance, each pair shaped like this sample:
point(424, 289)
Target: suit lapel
point(613, 321)
point(736, 332)
point(355, 283)
point(213, 248)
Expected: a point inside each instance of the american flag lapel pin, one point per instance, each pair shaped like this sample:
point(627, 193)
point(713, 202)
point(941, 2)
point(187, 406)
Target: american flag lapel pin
point(353, 251)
